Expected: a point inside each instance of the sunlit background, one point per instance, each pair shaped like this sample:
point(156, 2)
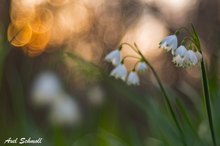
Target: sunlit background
point(54, 82)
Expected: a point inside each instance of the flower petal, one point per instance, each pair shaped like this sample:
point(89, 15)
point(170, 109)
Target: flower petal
point(141, 67)
point(169, 43)
point(133, 79)
point(114, 57)
point(120, 72)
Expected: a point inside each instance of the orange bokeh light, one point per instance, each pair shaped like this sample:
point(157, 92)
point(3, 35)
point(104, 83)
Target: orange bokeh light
point(58, 2)
point(46, 25)
point(19, 35)
point(37, 44)
point(42, 21)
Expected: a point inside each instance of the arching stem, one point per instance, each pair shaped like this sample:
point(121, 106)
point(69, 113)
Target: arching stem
point(132, 47)
point(129, 56)
point(165, 95)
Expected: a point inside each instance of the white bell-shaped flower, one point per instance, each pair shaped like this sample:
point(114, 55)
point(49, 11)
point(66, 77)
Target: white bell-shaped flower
point(181, 50)
point(133, 78)
point(169, 43)
point(114, 57)
point(119, 72)
point(188, 59)
point(192, 57)
point(141, 67)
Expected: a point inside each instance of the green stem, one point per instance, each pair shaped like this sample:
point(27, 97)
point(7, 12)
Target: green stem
point(207, 101)
point(168, 102)
point(166, 97)
point(205, 85)
point(129, 56)
point(133, 48)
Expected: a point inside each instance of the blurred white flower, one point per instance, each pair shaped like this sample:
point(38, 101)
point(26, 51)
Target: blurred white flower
point(203, 129)
point(181, 50)
point(45, 89)
point(133, 79)
point(169, 43)
point(114, 57)
point(65, 111)
point(119, 72)
point(96, 95)
point(141, 67)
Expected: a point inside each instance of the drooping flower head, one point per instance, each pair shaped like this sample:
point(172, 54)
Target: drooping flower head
point(141, 67)
point(119, 72)
point(169, 43)
point(183, 56)
point(192, 58)
point(181, 51)
point(186, 58)
point(114, 57)
point(133, 78)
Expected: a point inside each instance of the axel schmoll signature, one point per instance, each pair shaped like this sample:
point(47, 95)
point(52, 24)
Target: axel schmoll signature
point(23, 140)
